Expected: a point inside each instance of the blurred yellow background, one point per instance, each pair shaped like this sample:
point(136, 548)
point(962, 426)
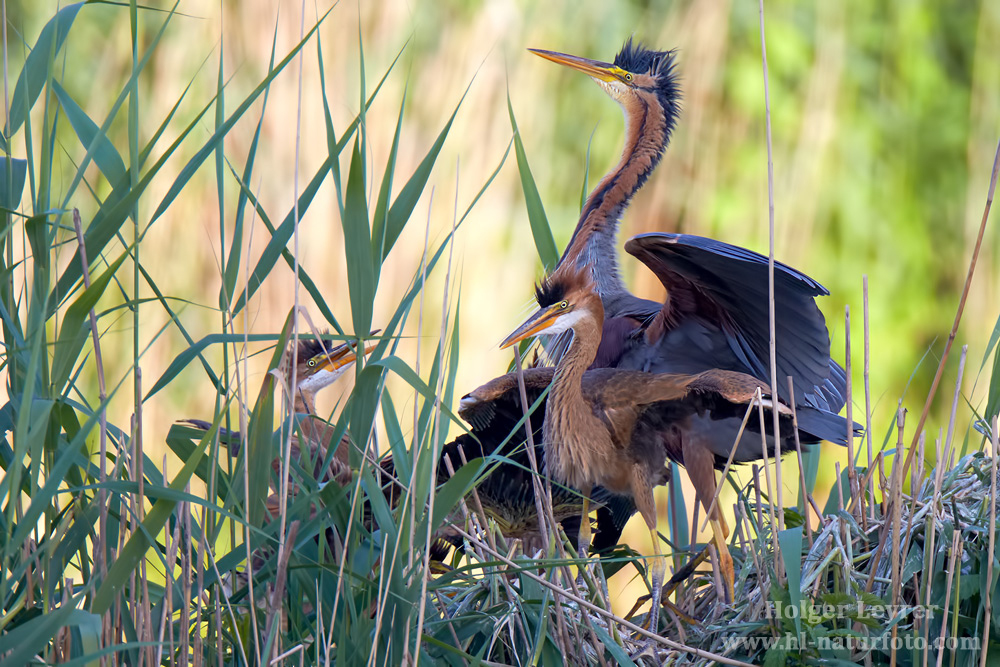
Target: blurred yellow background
point(884, 120)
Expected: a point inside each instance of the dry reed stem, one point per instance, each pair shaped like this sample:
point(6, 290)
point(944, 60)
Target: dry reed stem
point(961, 308)
point(868, 400)
point(725, 469)
point(542, 502)
point(436, 435)
point(948, 451)
point(280, 577)
point(102, 494)
point(758, 504)
point(183, 518)
point(770, 289)
point(955, 540)
point(988, 601)
point(840, 487)
point(894, 525)
point(408, 505)
point(807, 498)
point(608, 615)
point(779, 569)
point(852, 474)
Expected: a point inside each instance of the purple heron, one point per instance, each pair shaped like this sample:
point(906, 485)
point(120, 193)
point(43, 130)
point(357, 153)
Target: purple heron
point(617, 428)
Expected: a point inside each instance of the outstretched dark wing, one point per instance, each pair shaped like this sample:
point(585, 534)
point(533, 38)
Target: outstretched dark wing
point(716, 316)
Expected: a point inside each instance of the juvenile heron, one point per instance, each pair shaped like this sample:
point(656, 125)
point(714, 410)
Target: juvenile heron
point(315, 365)
point(617, 428)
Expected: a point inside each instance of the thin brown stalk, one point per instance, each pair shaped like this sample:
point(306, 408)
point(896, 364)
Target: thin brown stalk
point(542, 501)
point(954, 405)
point(840, 487)
point(199, 560)
point(897, 501)
point(606, 614)
point(961, 308)
point(868, 400)
point(278, 593)
point(852, 473)
point(988, 600)
point(952, 562)
point(807, 498)
point(756, 488)
point(135, 444)
point(725, 469)
point(779, 568)
point(436, 436)
point(102, 494)
point(770, 287)
point(184, 516)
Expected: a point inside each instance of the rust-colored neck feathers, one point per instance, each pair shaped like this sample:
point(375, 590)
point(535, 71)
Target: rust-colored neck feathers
point(576, 441)
point(647, 132)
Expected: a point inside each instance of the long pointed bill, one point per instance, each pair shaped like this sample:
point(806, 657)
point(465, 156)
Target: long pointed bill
point(542, 319)
point(595, 68)
point(341, 356)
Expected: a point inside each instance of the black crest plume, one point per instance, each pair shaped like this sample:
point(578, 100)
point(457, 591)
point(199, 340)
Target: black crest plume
point(636, 58)
point(551, 290)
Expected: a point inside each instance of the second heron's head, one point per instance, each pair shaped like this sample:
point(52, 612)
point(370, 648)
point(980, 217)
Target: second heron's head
point(320, 364)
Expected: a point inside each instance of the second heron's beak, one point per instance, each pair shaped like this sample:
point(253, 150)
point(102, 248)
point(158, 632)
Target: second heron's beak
point(595, 68)
point(541, 319)
point(340, 356)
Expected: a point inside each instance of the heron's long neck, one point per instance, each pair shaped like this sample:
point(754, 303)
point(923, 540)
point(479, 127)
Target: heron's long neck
point(315, 430)
point(566, 397)
point(647, 133)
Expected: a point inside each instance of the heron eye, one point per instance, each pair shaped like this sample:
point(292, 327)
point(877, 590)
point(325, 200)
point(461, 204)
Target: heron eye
point(628, 77)
point(564, 305)
point(311, 363)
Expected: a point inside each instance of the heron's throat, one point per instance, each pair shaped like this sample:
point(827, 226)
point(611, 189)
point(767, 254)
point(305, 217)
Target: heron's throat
point(571, 429)
point(594, 241)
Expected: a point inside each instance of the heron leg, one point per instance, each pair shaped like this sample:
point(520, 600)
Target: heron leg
point(700, 464)
point(657, 570)
point(642, 493)
point(584, 538)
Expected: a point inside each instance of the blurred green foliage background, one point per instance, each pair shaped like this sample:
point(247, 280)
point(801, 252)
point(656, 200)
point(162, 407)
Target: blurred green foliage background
point(885, 122)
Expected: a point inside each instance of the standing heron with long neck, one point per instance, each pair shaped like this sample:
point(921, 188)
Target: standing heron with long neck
point(617, 428)
point(715, 311)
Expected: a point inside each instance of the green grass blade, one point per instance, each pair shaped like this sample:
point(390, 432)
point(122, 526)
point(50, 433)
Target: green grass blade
point(135, 549)
point(993, 395)
point(37, 66)
point(791, 555)
point(76, 327)
point(195, 350)
point(545, 244)
point(404, 203)
point(22, 643)
point(379, 219)
point(106, 156)
point(280, 237)
point(12, 179)
point(358, 245)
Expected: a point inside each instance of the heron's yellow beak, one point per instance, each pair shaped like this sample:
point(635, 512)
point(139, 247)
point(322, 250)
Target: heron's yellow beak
point(340, 356)
point(594, 68)
point(542, 319)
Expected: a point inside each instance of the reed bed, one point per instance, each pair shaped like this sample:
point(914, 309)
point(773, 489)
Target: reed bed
point(130, 537)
